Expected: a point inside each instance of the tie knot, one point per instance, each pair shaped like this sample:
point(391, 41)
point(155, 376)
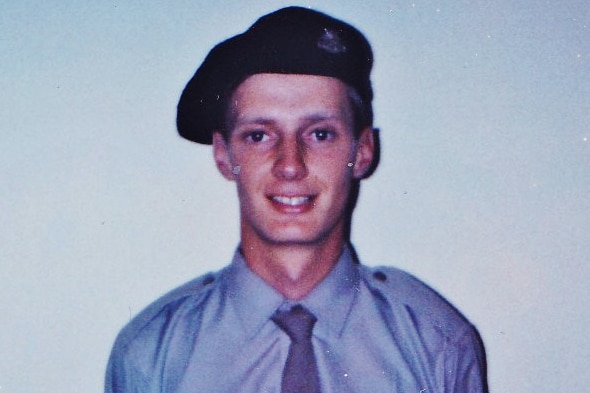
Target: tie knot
point(297, 323)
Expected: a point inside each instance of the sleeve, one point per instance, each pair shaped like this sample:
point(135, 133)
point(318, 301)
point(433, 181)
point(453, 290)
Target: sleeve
point(122, 376)
point(465, 365)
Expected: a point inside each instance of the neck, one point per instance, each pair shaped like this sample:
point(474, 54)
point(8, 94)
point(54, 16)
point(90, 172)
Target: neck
point(292, 269)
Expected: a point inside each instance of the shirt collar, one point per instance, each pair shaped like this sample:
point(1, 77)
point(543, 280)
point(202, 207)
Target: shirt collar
point(332, 300)
point(255, 301)
point(251, 298)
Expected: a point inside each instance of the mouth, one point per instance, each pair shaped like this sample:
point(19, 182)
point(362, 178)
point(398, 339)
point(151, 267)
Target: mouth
point(292, 201)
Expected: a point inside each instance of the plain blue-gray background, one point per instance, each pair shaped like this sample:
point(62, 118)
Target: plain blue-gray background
point(483, 189)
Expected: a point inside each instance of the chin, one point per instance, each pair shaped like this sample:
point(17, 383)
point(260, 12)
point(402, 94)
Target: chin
point(295, 236)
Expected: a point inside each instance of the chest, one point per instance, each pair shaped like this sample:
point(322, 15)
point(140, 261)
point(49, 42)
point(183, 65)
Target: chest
point(368, 357)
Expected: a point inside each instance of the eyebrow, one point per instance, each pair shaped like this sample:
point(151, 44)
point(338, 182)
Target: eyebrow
point(314, 118)
point(255, 120)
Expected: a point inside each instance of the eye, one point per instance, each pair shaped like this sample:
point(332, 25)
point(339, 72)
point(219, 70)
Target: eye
point(256, 136)
point(322, 134)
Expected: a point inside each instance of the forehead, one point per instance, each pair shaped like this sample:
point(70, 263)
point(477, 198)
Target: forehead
point(290, 96)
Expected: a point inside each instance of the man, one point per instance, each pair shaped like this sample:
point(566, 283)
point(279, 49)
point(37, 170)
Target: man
point(287, 108)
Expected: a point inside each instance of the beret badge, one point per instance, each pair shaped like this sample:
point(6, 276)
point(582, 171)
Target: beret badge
point(330, 42)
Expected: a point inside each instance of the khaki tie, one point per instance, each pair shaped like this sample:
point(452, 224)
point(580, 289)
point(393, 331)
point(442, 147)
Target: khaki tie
point(300, 374)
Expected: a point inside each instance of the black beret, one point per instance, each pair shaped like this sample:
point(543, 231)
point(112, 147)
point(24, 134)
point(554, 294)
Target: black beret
point(292, 40)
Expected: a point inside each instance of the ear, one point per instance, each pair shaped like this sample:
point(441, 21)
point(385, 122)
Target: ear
point(222, 156)
point(365, 153)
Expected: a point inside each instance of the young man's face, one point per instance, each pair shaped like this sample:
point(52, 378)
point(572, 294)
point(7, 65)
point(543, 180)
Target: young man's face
point(293, 154)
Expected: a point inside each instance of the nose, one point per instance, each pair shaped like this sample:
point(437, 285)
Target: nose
point(290, 160)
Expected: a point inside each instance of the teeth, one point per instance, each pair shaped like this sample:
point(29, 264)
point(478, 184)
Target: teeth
point(291, 201)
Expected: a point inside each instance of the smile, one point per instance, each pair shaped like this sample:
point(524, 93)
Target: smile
point(291, 200)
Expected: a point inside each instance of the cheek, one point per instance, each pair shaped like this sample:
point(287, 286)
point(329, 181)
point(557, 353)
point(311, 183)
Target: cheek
point(335, 157)
point(253, 161)
point(251, 179)
point(332, 167)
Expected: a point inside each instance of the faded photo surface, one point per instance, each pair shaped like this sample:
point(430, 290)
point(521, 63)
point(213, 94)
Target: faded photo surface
point(481, 190)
